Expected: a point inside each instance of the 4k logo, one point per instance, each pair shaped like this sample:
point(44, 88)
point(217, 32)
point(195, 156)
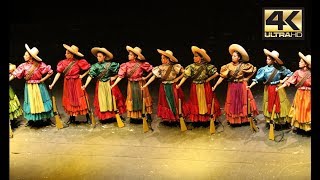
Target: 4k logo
point(283, 23)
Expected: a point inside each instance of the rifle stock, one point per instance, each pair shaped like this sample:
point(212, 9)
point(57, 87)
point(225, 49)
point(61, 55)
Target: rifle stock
point(144, 118)
point(183, 126)
point(10, 130)
point(93, 120)
point(57, 117)
point(271, 129)
point(118, 118)
point(212, 119)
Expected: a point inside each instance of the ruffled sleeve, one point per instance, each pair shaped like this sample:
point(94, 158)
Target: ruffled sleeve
point(188, 71)
point(61, 66)
point(19, 72)
point(224, 71)
point(114, 68)
point(286, 72)
point(292, 79)
point(83, 64)
point(94, 71)
point(211, 69)
point(44, 68)
point(146, 66)
point(259, 76)
point(248, 68)
point(122, 70)
point(177, 68)
point(156, 71)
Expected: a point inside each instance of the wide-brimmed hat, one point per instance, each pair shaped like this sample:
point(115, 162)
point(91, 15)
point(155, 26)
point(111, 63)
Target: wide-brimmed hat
point(108, 54)
point(12, 67)
point(274, 54)
point(306, 58)
point(240, 49)
point(73, 49)
point(33, 52)
point(202, 52)
point(137, 51)
point(169, 54)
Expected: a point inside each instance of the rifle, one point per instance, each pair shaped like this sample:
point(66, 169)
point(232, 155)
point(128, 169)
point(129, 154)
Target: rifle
point(253, 126)
point(118, 118)
point(57, 116)
point(212, 118)
point(144, 118)
point(93, 120)
point(183, 126)
point(10, 130)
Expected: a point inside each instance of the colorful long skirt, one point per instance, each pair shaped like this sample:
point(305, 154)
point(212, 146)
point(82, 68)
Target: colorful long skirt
point(300, 111)
point(103, 104)
point(168, 102)
point(198, 106)
point(135, 97)
point(37, 103)
point(73, 98)
point(279, 98)
point(15, 109)
point(235, 107)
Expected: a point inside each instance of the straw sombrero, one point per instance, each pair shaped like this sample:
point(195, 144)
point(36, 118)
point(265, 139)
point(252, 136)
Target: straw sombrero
point(274, 54)
point(202, 52)
point(73, 49)
point(240, 49)
point(137, 51)
point(33, 52)
point(306, 58)
point(169, 54)
point(108, 54)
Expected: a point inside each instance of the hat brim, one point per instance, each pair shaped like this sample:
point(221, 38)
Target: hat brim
point(308, 61)
point(171, 57)
point(268, 53)
point(205, 56)
point(72, 51)
point(108, 54)
point(240, 49)
point(33, 55)
point(140, 56)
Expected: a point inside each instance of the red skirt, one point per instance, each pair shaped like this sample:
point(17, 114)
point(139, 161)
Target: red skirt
point(191, 107)
point(164, 111)
point(237, 101)
point(73, 98)
point(120, 102)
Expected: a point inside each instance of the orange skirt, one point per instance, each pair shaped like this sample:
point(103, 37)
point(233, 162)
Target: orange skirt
point(301, 110)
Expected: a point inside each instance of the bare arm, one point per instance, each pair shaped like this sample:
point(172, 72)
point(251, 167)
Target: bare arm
point(116, 82)
point(280, 87)
point(11, 77)
point(89, 78)
point(113, 77)
point(212, 77)
point(251, 85)
point(217, 83)
point(56, 77)
point(148, 76)
point(84, 74)
point(149, 81)
point(284, 79)
point(181, 82)
point(46, 77)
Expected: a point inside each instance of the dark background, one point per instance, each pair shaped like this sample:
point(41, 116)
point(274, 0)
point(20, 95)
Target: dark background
point(150, 25)
point(173, 25)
